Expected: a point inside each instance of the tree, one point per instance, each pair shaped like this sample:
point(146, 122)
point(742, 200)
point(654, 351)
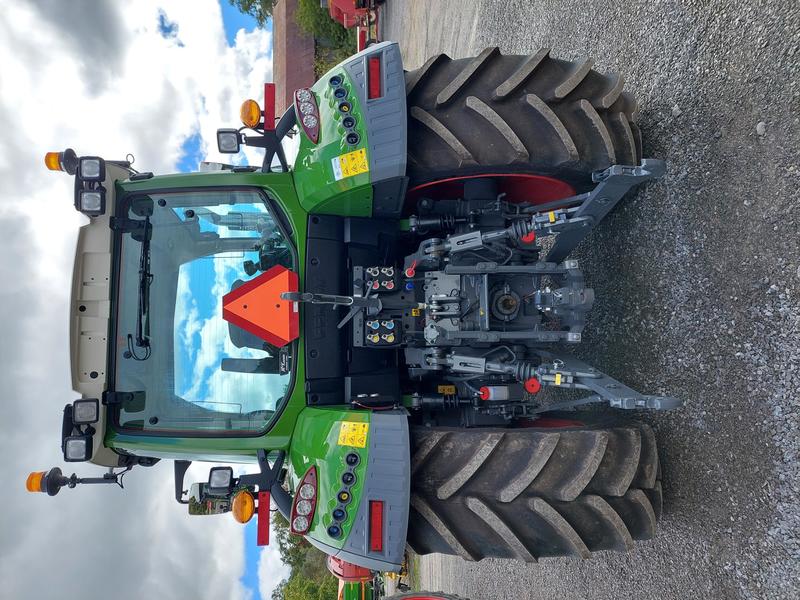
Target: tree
point(333, 43)
point(315, 20)
point(310, 578)
point(301, 588)
point(293, 548)
point(260, 10)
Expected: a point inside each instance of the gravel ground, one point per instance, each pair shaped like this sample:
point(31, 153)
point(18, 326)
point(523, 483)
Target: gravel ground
point(698, 280)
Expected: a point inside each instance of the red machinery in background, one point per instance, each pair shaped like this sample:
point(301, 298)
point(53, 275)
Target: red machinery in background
point(361, 14)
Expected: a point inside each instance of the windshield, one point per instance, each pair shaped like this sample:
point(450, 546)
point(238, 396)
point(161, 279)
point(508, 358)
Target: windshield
point(187, 368)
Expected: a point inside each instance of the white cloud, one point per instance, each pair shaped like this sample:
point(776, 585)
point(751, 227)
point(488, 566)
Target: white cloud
point(271, 571)
point(98, 77)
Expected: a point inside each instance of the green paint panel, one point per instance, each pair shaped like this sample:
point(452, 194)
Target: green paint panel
point(317, 188)
point(315, 443)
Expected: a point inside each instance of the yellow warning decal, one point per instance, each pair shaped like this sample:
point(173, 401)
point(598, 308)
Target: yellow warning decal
point(352, 163)
point(447, 390)
point(558, 378)
point(551, 216)
point(353, 434)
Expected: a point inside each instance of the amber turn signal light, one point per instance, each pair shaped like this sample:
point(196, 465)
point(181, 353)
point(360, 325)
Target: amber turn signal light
point(34, 481)
point(250, 113)
point(62, 161)
point(243, 507)
point(52, 162)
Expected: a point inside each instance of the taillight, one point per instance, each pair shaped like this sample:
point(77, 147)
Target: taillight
point(374, 87)
point(305, 107)
point(305, 503)
point(376, 526)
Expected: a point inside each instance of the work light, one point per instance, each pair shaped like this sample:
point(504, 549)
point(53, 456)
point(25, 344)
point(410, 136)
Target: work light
point(228, 141)
point(220, 481)
point(77, 448)
point(85, 412)
point(92, 168)
point(92, 203)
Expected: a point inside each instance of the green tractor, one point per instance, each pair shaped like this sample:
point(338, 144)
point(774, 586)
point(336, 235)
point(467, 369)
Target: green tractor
point(377, 316)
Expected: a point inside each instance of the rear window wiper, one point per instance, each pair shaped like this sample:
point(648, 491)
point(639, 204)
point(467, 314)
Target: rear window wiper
point(142, 339)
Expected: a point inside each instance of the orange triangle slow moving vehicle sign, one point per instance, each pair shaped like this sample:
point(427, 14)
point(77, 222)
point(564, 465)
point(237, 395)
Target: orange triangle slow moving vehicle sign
point(257, 307)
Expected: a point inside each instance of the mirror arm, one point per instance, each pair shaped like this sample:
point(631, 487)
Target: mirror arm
point(181, 466)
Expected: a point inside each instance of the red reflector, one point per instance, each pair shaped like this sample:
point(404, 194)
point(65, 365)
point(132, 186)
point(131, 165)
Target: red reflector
point(269, 106)
point(485, 393)
point(374, 70)
point(262, 528)
point(362, 39)
point(376, 526)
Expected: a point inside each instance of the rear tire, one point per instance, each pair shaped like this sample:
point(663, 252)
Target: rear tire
point(534, 114)
point(533, 492)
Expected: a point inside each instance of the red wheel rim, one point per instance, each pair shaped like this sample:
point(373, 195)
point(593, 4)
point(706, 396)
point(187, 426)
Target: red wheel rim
point(518, 187)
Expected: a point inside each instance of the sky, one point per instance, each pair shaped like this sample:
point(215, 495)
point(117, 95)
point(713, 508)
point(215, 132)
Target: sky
point(106, 77)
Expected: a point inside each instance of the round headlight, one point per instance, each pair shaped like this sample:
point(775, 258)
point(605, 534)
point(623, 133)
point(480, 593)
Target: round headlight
point(306, 491)
point(303, 95)
point(306, 108)
point(303, 508)
point(300, 523)
point(310, 121)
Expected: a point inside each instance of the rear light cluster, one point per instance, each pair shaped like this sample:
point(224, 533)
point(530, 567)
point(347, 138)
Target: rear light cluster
point(345, 108)
point(305, 503)
point(305, 107)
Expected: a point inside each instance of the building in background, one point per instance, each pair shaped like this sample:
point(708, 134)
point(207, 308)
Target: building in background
point(292, 55)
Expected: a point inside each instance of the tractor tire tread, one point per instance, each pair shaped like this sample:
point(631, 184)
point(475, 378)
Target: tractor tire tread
point(571, 492)
point(510, 113)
